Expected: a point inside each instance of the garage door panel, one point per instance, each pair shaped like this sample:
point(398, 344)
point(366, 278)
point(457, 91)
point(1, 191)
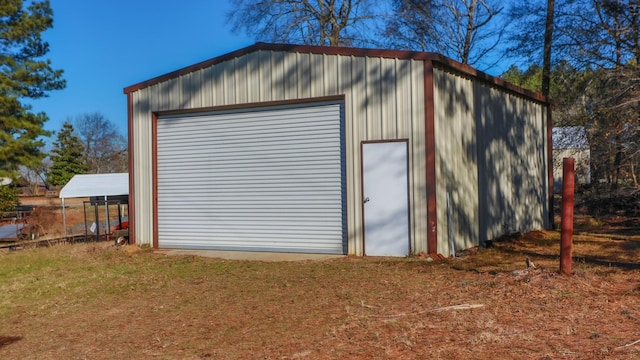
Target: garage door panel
point(259, 224)
point(262, 170)
point(182, 150)
point(259, 119)
point(314, 140)
point(226, 188)
point(267, 180)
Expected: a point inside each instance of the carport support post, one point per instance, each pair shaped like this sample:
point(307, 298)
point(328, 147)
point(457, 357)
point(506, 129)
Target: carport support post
point(107, 231)
point(566, 235)
point(64, 218)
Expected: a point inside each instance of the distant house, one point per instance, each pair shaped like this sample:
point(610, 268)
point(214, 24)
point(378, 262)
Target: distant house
point(571, 141)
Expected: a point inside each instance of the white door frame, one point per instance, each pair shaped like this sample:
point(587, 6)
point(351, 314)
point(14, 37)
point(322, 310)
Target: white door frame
point(392, 208)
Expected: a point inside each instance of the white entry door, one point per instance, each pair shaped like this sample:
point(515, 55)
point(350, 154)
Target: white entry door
point(386, 200)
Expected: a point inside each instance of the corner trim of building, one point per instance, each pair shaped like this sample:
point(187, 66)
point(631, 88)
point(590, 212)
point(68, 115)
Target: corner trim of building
point(430, 155)
point(550, 165)
point(131, 168)
point(154, 164)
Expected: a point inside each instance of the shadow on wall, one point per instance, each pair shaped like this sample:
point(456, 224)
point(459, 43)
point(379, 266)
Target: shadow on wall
point(501, 140)
point(456, 148)
point(511, 163)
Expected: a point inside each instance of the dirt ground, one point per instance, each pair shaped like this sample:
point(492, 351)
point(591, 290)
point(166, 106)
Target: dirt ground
point(99, 301)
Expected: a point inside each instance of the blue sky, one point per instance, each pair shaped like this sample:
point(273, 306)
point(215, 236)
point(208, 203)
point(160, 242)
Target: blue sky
point(104, 46)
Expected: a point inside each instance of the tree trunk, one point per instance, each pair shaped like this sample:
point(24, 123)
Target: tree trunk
point(466, 51)
point(617, 163)
point(548, 39)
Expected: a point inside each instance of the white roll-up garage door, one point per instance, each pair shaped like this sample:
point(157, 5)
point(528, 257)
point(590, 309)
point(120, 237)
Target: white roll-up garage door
point(262, 179)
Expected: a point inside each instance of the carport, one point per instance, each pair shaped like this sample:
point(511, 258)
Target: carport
point(104, 187)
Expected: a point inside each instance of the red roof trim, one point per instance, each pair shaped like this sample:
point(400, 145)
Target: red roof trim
point(345, 51)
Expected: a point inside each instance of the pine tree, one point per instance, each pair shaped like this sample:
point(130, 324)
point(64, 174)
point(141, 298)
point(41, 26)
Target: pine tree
point(24, 74)
point(67, 157)
point(8, 198)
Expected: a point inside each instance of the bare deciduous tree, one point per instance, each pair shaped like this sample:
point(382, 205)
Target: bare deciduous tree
point(466, 30)
point(319, 22)
point(34, 176)
point(105, 147)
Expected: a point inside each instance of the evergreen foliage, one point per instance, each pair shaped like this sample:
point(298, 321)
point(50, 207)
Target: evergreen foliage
point(24, 74)
point(67, 157)
point(8, 198)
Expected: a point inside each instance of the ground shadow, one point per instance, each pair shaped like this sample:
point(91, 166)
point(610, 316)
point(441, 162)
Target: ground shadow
point(8, 340)
point(586, 259)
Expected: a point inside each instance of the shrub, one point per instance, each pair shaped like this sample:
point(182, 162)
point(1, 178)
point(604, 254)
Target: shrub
point(8, 198)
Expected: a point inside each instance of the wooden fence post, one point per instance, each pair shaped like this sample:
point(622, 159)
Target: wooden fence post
point(566, 235)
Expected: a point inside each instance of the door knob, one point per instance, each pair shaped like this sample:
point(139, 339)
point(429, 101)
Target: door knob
point(366, 200)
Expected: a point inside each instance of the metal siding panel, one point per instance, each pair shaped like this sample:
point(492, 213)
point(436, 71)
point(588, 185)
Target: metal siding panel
point(373, 99)
point(163, 99)
point(242, 79)
point(267, 179)
point(317, 71)
point(175, 93)
point(413, 79)
point(253, 78)
point(303, 74)
point(491, 159)
point(330, 74)
point(290, 76)
point(441, 102)
point(218, 85)
point(456, 162)
point(153, 96)
point(278, 80)
point(208, 85)
point(266, 79)
point(192, 93)
point(186, 94)
point(513, 166)
point(142, 162)
point(353, 84)
point(194, 90)
point(229, 83)
point(388, 104)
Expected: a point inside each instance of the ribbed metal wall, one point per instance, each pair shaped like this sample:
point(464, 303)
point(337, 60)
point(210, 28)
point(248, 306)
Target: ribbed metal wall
point(267, 179)
point(384, 99)
point(456, 162)
point(490, 159)
point(142, 180)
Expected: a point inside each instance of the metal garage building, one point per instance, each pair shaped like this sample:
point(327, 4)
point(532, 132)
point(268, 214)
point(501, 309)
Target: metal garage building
point(335, 150)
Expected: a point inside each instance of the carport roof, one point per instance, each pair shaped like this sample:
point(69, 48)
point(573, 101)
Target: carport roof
point(96, 185)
